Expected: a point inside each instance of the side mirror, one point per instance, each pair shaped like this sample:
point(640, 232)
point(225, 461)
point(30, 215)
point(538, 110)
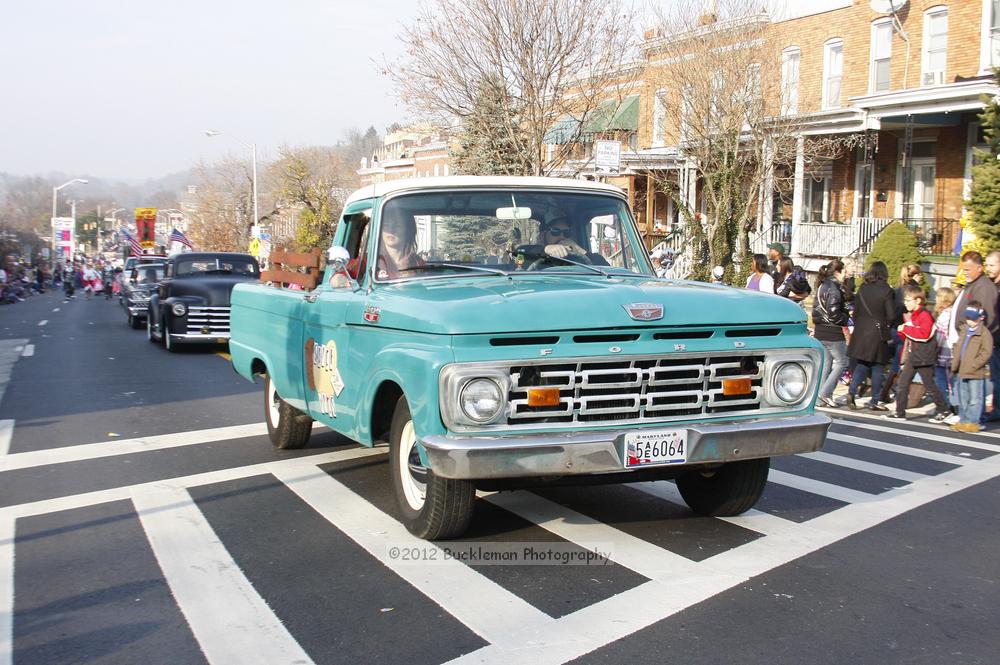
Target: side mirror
point(337, 258)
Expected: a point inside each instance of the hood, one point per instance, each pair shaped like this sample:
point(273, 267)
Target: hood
point(214, 290)
point(567, 302)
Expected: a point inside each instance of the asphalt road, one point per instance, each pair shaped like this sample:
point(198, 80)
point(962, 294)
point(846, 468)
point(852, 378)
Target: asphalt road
point(145, 518)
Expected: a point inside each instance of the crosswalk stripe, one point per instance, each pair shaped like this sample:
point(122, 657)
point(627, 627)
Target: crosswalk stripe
point(45, 506)
point(6, 432)
point(910, 422)
point(483, 606)
point(755, 520)
point(625, 549)
point(230, 620)
point(113, 447)
point(953, 440)
point(828, 490)
point(903, 450)
point(6, 589)
point(868, 467)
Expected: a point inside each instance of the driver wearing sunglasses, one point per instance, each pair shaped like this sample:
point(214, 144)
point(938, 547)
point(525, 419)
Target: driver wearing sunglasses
point(556, 238)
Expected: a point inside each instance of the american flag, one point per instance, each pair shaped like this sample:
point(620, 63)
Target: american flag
point(133, 243)
point(177, 236)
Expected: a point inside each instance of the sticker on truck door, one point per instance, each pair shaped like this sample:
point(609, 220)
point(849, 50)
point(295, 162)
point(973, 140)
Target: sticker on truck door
point(326, 377)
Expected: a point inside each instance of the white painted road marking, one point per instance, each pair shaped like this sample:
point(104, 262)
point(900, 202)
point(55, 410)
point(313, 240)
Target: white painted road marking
point(87, 451)
point(10, 353)
point(902, 450)
point(482, 605)
point(920, 436)
point(230, 620)
point(517, 631)
point(868, 467)
point(6, 589)
point(43, 322)
point(6, 433)
point(56, 309)
point(29, 350)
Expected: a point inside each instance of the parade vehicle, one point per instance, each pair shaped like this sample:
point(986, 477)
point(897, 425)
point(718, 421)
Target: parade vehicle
point(191, 303)
point(136, 288)
point(503, 332)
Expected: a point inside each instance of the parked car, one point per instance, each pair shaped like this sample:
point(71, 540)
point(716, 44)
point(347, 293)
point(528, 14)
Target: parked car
point(503, 332)
point(191, 304)
point(136, 287)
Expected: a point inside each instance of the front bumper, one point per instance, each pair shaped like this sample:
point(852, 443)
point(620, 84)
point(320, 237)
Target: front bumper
point(598, 452)
point(198, 338)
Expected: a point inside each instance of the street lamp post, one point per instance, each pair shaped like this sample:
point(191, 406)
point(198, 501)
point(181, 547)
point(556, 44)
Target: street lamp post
point(55, 191)
point(253, 157)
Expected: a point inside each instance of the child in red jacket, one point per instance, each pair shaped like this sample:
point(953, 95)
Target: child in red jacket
point(920, 351)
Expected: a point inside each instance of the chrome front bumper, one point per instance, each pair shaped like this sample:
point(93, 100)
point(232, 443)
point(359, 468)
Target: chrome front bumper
point(597, 452)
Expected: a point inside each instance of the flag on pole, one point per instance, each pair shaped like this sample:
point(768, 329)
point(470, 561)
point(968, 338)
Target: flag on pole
point(133, 243)
point(177, 236)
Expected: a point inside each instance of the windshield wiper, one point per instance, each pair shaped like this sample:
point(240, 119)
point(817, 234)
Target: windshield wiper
point(577, 263)
point(440, 266)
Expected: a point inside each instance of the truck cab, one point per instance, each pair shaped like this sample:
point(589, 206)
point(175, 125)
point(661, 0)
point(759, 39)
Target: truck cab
point(503, 332)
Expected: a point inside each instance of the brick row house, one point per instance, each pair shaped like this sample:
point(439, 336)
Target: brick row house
point(904, 85)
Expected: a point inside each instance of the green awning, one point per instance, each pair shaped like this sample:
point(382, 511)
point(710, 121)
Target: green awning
point(564, 131)
point(612, 115)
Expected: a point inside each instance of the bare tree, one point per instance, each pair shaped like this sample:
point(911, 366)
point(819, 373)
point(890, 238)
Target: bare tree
point(720, 76)
point(537, 61)
point(223, 206)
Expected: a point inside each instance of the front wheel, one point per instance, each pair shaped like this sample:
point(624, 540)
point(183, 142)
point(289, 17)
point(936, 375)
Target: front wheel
point(432, 508)
point(287, 427)
point(730, 489)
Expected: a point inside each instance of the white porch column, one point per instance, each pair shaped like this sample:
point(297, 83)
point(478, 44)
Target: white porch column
point(766, 203)
point(797, 202)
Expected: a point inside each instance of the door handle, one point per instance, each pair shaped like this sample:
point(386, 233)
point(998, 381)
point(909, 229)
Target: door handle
point(310, 297)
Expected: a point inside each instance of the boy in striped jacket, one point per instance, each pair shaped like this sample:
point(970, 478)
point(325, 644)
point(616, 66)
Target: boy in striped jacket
point(920, 351)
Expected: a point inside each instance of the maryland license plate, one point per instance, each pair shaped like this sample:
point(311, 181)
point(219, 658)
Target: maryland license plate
point(656, 448)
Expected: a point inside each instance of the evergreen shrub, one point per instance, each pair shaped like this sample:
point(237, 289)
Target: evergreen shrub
point(896, 247)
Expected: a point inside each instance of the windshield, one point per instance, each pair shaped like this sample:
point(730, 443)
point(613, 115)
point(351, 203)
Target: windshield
point(147, 274)
point(236, 266)
point(471, 233)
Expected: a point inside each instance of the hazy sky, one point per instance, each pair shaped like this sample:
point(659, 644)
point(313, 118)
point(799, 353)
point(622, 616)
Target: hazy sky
point(125, 88)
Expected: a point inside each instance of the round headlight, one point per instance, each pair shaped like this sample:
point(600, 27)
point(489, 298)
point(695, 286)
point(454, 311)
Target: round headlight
point(481, 400)
point(790, 382)
point(179, 309)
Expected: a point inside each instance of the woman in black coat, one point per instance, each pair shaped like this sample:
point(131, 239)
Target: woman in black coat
point(874, 311)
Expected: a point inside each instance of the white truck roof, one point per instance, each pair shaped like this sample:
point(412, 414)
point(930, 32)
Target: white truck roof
point(461, 181)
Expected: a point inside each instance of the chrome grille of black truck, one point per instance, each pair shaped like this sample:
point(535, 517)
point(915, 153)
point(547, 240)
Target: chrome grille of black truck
point(208, 321)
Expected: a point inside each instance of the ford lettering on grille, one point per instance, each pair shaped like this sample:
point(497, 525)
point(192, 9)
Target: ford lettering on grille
point(644, 311)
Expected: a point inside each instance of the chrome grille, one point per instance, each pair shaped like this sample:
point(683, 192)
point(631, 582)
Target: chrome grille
point(645, 389)
point(212, 321)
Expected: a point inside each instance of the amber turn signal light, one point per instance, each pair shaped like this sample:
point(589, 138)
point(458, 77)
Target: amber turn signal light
point(736, 387)
point(543, 397)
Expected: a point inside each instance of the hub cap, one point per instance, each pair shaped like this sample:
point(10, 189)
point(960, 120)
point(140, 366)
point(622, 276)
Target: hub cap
point(413, 474)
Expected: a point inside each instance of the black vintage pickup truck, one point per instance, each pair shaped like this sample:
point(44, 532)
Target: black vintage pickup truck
point(192, 302)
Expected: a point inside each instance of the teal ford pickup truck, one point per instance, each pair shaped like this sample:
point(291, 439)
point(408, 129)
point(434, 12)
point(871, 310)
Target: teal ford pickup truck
point(502, 332)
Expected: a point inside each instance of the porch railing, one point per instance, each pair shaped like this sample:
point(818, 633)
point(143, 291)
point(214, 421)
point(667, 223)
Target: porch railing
point(836, 240)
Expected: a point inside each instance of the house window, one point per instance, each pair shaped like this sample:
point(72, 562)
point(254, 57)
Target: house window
point(833, 70)
point(790, 80)
point(659, 118)
point(880, 78)
point(816, 200)
point(935, 45)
